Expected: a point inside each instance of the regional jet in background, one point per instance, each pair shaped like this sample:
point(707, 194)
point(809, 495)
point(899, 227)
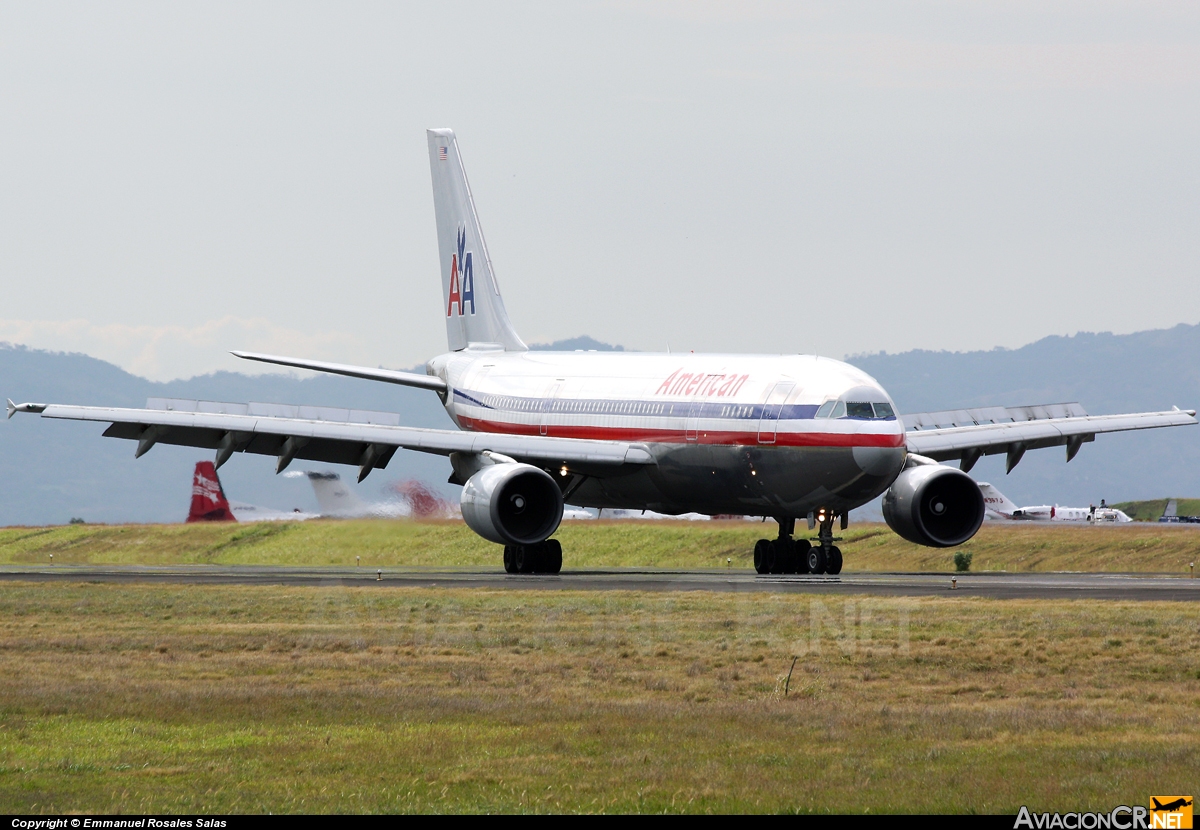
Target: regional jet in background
point(790, 437)
point(999, 506)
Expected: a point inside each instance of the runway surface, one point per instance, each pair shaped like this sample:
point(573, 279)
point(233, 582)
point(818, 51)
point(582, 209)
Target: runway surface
point(996, 585)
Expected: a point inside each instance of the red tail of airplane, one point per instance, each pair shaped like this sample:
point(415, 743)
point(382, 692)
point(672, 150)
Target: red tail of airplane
point(208, 499)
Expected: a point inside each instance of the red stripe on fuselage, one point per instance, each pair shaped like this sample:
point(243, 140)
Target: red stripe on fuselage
point(675, 436)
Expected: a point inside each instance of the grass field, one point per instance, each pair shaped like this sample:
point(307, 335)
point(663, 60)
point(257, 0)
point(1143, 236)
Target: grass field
point(664, 544)
point(138, 698)
point(1149, 511)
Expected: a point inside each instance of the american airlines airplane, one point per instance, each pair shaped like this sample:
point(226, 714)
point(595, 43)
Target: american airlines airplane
point(790, 437)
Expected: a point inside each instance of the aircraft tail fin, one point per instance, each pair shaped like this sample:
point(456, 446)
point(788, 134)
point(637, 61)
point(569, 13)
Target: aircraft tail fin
point(996, 501)
point(471, 297)
point(208, 498)
point(1172, 509)
point(334, 497)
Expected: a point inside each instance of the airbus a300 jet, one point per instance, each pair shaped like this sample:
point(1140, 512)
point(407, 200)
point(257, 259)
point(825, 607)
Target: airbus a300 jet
point(790, 437)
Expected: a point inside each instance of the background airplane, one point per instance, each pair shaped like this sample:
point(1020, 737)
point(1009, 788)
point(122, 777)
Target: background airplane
point(1001, 507)
point(209, 503)
point(338, 501)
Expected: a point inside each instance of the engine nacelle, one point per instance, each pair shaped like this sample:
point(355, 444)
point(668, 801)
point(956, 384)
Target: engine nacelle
point(934, 506)
point(512, 504)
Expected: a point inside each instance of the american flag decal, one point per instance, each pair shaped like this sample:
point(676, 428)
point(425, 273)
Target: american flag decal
point(442, 153)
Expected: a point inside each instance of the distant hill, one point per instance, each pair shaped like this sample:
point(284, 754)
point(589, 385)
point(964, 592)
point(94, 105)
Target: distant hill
point(1150, 511)
point(52, 471)
point(585, 344)
point(1107, 373)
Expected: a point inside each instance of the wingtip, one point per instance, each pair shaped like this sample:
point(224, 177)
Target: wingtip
point(13, 408)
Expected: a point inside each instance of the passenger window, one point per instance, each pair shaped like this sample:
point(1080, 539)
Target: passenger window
point(859, 410)
point(884, 410)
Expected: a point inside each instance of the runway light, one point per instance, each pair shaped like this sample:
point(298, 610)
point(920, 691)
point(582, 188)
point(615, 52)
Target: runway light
point(357, 561)
point(953, 582)
point(379, 575)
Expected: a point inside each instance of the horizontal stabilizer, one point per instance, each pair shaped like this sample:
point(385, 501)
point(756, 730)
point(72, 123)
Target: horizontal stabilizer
point(364, 372)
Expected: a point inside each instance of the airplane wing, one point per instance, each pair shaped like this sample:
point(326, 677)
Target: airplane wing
point(337, 436)
point(968, 434)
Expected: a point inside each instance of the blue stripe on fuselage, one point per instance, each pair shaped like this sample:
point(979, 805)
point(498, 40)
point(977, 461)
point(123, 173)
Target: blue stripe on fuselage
point(640, 408)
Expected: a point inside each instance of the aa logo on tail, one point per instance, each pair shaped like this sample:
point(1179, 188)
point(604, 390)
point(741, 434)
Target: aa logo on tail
point(1171, 812)
point(462, 279)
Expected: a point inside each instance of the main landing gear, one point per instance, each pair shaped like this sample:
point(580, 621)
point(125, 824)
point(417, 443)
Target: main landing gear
point(786, 555)
point(542, 558)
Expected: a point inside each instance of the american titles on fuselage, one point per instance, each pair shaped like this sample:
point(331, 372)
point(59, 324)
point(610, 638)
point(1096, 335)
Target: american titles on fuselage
point(699, 384)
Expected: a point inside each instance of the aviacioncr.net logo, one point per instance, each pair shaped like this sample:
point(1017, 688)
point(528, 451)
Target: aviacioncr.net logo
point(1165, 813)
point(462, 278)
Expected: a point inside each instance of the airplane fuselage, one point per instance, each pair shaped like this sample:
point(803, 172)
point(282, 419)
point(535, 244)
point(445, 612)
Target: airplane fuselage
point(772, 435)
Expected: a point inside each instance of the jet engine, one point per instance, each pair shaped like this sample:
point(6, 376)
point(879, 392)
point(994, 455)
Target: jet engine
point(934, 506)
point(512, 504)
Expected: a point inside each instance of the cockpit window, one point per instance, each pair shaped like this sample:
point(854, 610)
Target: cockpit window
point(860, 410)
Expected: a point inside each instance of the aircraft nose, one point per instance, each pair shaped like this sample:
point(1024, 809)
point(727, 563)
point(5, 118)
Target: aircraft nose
point(879, 461)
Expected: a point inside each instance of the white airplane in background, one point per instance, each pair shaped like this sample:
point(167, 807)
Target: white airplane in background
point(790, 437)
point(337, 501)
point(1001, 507)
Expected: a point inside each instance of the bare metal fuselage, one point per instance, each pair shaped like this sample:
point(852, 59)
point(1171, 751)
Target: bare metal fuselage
point(729, 433)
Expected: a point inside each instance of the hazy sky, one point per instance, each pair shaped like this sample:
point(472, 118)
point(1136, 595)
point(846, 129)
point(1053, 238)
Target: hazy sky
point(181, 179)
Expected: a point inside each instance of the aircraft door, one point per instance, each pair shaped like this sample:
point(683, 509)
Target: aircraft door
point(768, 421)
point(691, 426)
point(548, 405)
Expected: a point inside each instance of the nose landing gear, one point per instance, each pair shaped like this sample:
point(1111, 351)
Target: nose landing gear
point(825, 557)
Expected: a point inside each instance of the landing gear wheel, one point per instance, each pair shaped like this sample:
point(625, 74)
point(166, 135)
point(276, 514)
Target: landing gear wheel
point(762, 556)
point(781, 556)
point(525, 558)
point(510, 566)
point(834, 565)
point(552, 556)
point(800, 557)
point(816, 560)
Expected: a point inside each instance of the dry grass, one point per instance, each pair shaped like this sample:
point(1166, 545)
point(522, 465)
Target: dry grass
point(1013, 547)
point(248, 699)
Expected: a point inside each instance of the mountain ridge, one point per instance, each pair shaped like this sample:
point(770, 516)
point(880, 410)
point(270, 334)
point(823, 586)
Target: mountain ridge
point(52, 471)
